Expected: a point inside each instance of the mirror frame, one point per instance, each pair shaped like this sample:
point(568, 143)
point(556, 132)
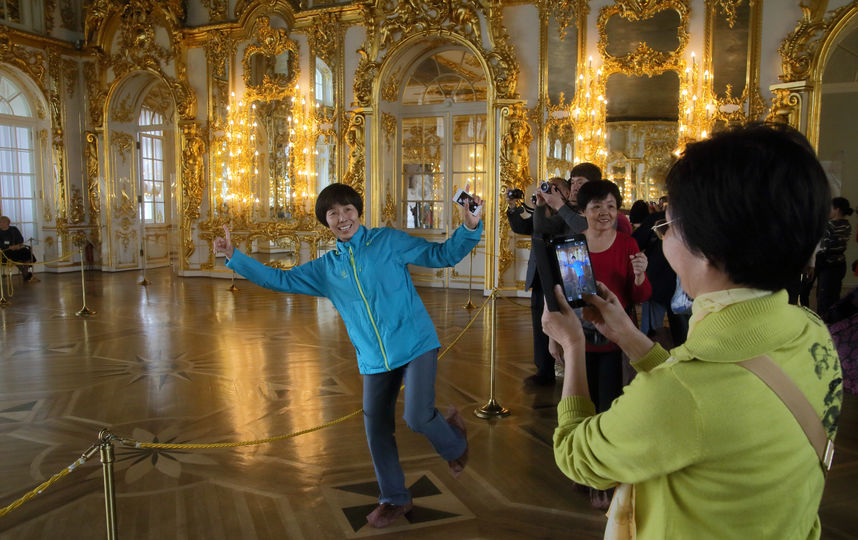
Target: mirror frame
point(643, 61)
point(270, 42)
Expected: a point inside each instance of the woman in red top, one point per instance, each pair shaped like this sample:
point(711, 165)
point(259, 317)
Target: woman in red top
point(620, 265)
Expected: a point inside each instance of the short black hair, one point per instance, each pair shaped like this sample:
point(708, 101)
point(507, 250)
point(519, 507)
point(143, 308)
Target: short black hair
point(639, 211)
point(337, 194)
point(598, 190)
point(588, 170)
point(753, 200)
point(842, 204)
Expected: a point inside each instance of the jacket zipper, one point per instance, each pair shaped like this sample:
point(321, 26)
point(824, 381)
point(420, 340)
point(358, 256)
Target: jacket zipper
point(368, 311)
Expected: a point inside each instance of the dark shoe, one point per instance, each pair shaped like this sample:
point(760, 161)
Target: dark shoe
point(28, 275)
point(540, 380)
point(386, 513)
point(458, 423)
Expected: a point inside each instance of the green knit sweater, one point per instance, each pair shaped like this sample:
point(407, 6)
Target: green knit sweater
point(711, 450)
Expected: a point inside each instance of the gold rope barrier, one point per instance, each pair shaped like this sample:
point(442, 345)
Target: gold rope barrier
point(86, 456)
point(179, 446)
point(10, 262)
point(513, 302)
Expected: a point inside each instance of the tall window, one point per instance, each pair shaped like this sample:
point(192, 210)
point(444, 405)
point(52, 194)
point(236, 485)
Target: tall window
point(17, 157)
point(152, 165)
point(324, 84)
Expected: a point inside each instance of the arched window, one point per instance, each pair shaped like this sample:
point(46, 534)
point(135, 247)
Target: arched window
point(443, 145)
point(17, 158)
point(569, 152)
point(557, 149)
point(151, 132)
point(324, 84)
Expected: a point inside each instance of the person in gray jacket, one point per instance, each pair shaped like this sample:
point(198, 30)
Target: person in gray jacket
point(555, 215)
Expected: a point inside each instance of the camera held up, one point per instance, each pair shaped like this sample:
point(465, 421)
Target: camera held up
point(515, 193)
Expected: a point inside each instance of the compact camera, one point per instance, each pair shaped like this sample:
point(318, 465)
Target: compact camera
point(546, 187)
point(514, 193)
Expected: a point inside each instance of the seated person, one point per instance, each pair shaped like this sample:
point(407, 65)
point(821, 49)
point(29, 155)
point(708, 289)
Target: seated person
point(13, 247)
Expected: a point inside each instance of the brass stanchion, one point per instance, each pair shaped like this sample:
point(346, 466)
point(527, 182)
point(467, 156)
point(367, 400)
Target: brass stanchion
point(84, 311)
point(492, 408)
point(470, 304)
point(145, 282)
point(233, 288)
point(106, 452)
point(3, 301)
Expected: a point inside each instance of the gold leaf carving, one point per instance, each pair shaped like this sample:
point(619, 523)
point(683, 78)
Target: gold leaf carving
point(567, 11)
point(800, 48)
point(70, 73)
point(728, 9)
point(270, 42)
point(95, 93)
point(355, 175)
point(388, 213)
point(123, 111)
point(90, 151)
point(193, 183)
point(643, 60)
point(30, 62)
point(389, 23)
point(122, 142)
point(325, 36)
point(76, 211)
point(160, 100)
point(217, 9)
point(388, 124)
point(219, 47)
point(390, 89)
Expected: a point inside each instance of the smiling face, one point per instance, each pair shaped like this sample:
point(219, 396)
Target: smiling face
point(343, 220)
point(601, 214)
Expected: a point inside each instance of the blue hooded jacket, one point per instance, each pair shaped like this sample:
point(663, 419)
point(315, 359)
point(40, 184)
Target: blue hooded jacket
point(368, 282)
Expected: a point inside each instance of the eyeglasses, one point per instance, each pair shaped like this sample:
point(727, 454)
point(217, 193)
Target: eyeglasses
point(660, 227)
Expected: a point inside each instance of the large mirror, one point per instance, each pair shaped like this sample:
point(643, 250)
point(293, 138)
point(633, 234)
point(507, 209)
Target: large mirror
point(277, 113)
point(644, 78)
point(735, 34)
point(562, 60)
point(325, 94)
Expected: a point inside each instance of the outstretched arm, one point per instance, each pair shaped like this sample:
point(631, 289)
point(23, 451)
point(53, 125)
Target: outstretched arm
point(412, 250)
point(304, 279)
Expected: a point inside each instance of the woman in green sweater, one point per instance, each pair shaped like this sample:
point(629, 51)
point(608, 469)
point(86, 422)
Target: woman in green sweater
point(710, 450)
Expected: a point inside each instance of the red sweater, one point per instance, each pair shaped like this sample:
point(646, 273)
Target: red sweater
point(613, 267)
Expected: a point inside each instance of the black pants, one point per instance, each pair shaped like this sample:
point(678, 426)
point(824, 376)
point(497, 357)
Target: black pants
point(541, 357)
point(604, 378)
point(830, 276)
point(22, 255)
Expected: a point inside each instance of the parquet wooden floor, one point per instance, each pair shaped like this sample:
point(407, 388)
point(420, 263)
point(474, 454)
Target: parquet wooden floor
point(186, 360)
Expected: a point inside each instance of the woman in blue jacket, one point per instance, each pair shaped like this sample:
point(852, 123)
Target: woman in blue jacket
point(367, 280)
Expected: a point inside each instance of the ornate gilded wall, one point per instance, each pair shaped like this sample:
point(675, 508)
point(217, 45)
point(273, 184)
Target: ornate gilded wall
point(87, 76)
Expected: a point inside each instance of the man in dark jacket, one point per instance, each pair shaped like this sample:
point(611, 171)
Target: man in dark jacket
point(13, 247)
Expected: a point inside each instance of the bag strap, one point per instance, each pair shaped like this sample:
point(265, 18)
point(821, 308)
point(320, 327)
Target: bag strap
point(775, 378)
